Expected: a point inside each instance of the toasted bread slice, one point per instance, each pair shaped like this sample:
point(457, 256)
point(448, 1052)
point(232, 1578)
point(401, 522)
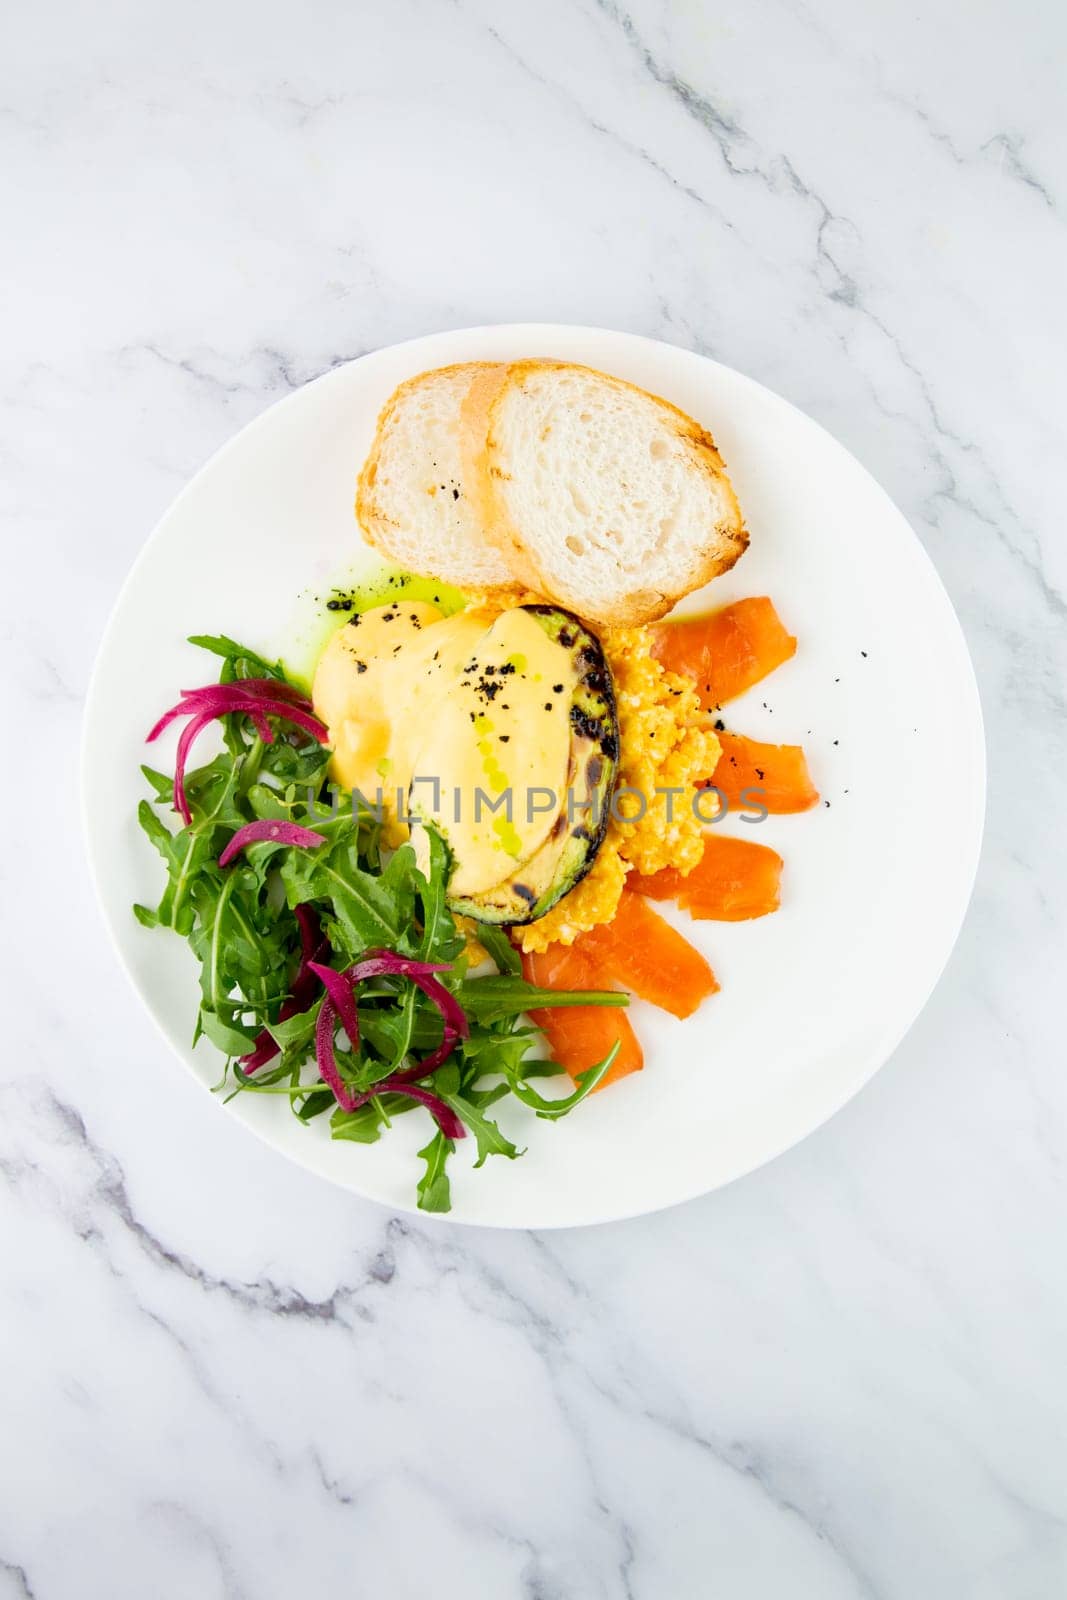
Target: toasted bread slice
point(412, 501)
point(601, 496)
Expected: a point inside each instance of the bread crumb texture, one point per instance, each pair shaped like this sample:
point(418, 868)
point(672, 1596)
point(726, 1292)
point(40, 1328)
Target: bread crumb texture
point(665, 742)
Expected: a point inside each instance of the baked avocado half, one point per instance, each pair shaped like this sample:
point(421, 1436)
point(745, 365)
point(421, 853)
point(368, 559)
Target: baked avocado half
point(578, 826)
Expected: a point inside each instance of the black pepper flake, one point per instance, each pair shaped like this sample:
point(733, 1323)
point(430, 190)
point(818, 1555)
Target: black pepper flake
point(557, 688)
point(339, 605)
point(505, 668)
point(826, 803)
point(361, 666)
point(455, 494)
point(837, 680)
point(548, 705)
point(863, 653)
point(505, 738)
point(837, 741)
point(759, 773)
point(720, 726)
point(354, 622)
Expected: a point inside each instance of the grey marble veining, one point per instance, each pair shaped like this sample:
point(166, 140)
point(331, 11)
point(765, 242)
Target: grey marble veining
point(843, 1377)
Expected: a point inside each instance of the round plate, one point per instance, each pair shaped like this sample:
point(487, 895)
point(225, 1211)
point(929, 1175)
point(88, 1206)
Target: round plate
point(881, 693)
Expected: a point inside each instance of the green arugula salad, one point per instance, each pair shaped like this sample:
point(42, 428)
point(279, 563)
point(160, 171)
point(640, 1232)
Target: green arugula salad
point(333, 974)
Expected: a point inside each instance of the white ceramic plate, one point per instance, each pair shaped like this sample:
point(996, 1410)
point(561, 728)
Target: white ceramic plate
point(881, 693)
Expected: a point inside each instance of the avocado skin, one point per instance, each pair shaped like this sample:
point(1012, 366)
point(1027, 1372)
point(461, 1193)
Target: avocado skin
point(591, 777)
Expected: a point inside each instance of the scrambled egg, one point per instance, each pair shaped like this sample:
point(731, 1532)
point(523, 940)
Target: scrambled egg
point(665, 741)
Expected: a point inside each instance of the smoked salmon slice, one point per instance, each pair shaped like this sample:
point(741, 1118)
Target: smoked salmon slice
point(775, 774)
point(641, 952)
point(735, 880)
point(580, 1036)
point(725, 652)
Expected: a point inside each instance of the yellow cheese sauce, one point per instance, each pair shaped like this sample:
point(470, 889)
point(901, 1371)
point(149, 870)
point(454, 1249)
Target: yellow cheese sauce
point(463, 719)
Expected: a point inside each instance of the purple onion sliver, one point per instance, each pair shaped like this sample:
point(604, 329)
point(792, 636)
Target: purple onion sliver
point(327, 1062)
point(386, 964)
point(270, 830)
point(338, 987)
point(445, 1118)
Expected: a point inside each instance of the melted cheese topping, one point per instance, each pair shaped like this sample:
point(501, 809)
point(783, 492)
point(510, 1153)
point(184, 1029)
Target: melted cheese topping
point(465, 720)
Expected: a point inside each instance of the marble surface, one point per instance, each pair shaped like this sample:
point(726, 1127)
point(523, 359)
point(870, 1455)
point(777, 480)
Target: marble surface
point(842, 1377)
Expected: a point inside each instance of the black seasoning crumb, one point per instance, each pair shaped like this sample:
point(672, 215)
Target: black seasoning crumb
point(504, 706)
point(339, 605)
point(505, 668)
point(837, 680)
point(846, 791)
point(548, 705)
point(455, 494)
point(437, 655)
point(505, 738)
point(437, 599)
point(361, 666)
point(557, 688)
point(354, 622)
point(707, 688)
point(863, 653)
point(397, 649)
point(759, 773)
point(826, 803)
point(413, 617)
point(837, 741)
point(490, 669)
point(720, 726)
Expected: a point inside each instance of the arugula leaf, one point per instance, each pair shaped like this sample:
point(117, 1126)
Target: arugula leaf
point(497, 944)
point(492, 998)
point(491, 1141)
point(433, 1189)
point(587, 1081)
point(371, 911)
point(231, 1040)
point(440, 940)
point(362, 1127)
point(238, 655)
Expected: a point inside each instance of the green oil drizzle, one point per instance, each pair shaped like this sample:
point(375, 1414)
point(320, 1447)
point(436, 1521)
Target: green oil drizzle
point(329, 609)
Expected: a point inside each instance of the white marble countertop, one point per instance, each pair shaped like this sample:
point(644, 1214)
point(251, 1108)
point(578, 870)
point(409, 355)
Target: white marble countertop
point(845, 1375)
